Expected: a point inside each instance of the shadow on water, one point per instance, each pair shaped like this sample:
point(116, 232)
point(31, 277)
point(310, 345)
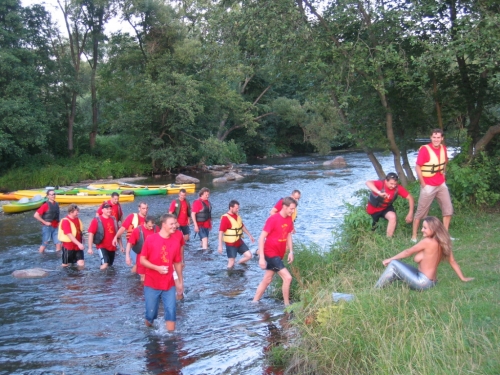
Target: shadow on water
point(91, 322)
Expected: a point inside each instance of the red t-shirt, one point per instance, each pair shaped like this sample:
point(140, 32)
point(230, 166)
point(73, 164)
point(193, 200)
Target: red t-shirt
point(183, 213)
point(109, 232)
point(135, 235)
point(128, 221)
point(423, 157)
point(197, 207)
point(43, 209)
point(66, 228)
point(225, 224)
point(278, 229)
point(162, 252)
point(116, 210)
point(381, 185)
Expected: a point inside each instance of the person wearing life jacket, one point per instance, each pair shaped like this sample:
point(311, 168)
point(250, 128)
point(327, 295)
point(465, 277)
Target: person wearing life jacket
point(104, 229)
point(231, 231)
point(70, 235)
point(116, 208)
point(201, 214)
point(135, 243)
point(382, 196)
point(279, 205)
point(48, 215)
point(131, 222)
point(431, 170)
point(182, 210)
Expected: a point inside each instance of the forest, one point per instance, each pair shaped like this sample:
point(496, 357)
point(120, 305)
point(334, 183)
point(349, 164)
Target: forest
point(211, 82)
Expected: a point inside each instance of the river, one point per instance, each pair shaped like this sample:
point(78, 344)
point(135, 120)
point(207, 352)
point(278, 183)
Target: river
point(92, 322)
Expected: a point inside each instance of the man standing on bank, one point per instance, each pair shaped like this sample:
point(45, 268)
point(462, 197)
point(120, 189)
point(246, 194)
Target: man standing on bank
point(431, 170)
point(161, 255)
point(182, 210)
point(202, 216)
point(48, 215)
point(231, 231)
point(383, 194)
point(275, 239)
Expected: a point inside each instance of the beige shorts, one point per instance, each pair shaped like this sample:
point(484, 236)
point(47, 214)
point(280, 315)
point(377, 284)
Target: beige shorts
point(428, 194)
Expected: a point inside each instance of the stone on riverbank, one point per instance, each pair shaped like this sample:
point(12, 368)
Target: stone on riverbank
point(338, 162)
point(183, 179)
point(219, 180)
point(30, 273)
point(231, 176)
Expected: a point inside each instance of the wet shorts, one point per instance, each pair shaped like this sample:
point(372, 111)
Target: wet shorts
point(203, 233)
point(274, 264)
point(377, 215)
point(107, 256)
point(49, 233)
point(71, 256)
point(152, 298)
point(185, 230)
point(232, 251)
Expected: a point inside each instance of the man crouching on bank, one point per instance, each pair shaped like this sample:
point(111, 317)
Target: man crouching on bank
point(161, 255)
point(275, 238)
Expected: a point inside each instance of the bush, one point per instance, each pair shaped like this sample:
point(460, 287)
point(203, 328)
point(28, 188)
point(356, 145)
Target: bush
point(214, 151)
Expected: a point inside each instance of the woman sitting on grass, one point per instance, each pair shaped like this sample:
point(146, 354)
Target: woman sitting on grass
point(429, 252)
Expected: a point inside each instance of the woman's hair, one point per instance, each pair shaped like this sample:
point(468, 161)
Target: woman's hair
point(440, 234)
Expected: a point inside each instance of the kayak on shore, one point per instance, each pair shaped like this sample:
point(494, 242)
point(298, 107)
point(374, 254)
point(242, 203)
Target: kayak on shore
point(170, 188)
point(78, 198)
point(24, 204)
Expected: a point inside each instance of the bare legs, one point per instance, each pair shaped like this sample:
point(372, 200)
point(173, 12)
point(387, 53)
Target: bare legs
point(268, 277)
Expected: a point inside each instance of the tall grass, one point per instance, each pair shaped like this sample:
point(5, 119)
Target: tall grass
point(67, 171)
point(453, 328)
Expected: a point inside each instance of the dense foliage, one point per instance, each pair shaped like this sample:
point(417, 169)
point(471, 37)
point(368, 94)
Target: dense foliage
point(216, 81)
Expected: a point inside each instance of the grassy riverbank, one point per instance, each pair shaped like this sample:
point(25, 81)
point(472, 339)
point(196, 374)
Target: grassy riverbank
point(65, 171)
point(453, 328)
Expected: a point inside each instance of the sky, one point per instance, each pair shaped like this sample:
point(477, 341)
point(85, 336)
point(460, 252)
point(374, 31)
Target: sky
point(112, 26)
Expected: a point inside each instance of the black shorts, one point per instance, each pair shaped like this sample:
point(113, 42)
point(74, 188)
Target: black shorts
point(274, 264)
point(232, 251)
point(185, 230)
point(71, 256)
point(377, 215)
point(107, 256)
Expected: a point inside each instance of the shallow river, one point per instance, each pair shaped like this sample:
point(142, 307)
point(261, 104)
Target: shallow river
point(91, 322)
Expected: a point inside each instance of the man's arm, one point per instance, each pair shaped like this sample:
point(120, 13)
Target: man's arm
point(289, 245)
point(221, 234)
point(75, 241)
point(373, 188)
point(273, 211)
point(262, 240)
point(245, 230)
point(91, 241)
point(411, 202)
point(39, 218)
point(193, 217)
point(179, 285)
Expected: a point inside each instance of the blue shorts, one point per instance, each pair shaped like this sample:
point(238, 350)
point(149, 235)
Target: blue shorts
point(232, 251)
point(49, 233)
point(274, 264)
point(152, 299)
point(185, 230)
point(203, 233)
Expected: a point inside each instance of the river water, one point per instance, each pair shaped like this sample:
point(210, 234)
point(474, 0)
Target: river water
point(92, 322)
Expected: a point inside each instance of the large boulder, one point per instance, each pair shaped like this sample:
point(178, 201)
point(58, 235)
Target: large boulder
point(30, 273)
point(219, 180)
point(183, 179)
point(231, 176)
point(217, 173)
point(338, 162)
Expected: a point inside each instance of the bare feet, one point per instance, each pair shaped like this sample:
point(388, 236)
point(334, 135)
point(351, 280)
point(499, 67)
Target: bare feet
point(147, 323)
point(41, 249)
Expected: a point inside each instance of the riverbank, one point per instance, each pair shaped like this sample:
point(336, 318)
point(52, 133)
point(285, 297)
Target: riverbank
point(450, 329)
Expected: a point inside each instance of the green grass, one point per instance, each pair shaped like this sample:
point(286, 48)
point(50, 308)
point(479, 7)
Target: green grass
point(66, 171)
point(453, 328)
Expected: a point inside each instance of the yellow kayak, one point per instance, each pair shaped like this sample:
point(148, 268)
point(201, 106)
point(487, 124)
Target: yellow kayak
point(24, 204)
point(79, 198)
point(171, 188)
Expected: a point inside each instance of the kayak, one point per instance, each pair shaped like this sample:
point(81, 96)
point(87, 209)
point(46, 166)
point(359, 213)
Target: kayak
point(31, 193)
point(24, 204)
point(99, 192)
point(171, 188)
point(8, 197)
point(73, 198)
point(125, 190)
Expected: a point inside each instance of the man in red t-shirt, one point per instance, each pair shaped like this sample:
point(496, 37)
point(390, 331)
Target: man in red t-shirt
point(48, 215)
point(431, 170)
point(182, 210)
point(231, 230)
point(131, 222)
point(277, 207)
point(116, 208)
point(162, 255)
point(275, 239)
point(136, 242)
point(70, 233)
point(201, 214)
point(383, 194)
point(108, 231)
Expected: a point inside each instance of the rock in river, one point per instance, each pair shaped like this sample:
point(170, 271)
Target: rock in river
point(338, 162)
point(183, 179)
point(30, 273)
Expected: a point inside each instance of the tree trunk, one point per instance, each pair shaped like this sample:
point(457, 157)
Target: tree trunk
point(406, 166)
point(71, 122)
point(375, 162)
point(438, 104)
point(486, 138)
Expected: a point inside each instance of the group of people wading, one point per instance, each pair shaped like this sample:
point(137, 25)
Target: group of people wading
point(157, 252)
